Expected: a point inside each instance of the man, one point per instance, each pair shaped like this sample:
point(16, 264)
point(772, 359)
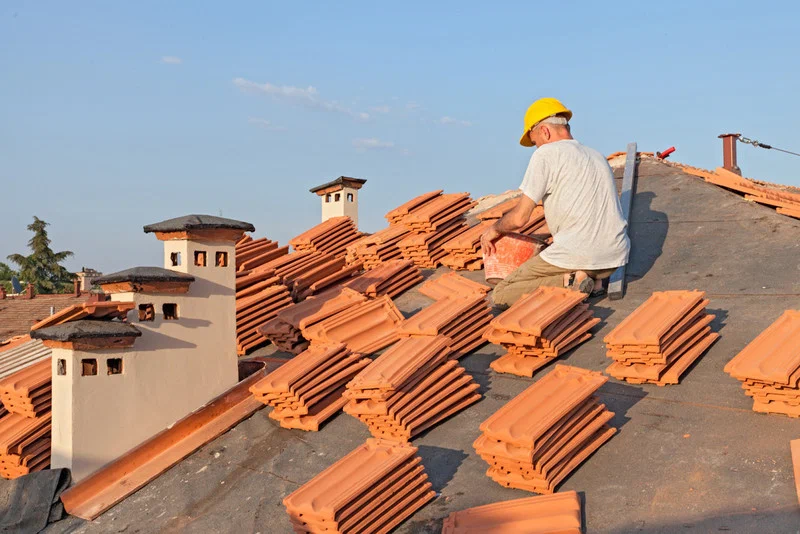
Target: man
point(581, 208)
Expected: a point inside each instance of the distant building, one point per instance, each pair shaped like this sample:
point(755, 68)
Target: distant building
point(340, 197)
point(86, 277)
point(116, 384)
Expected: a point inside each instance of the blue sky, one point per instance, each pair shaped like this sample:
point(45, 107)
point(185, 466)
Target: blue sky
point(119, 114)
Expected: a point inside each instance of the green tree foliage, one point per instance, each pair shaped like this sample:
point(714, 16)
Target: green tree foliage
point(42, 268)
point(6, 272)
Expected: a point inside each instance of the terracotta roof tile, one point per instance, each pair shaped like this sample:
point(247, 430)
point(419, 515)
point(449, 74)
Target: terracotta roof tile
point(451, 284)
point(396, 215)
point(18, 315)
point(545, 514)
point(27, 391)
point(325, 502)
point(24, 444)
point(390, 278)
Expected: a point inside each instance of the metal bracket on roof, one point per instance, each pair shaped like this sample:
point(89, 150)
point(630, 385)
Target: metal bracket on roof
point(616, 284)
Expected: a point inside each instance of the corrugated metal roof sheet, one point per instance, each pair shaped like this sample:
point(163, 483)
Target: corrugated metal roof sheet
point(21, 356)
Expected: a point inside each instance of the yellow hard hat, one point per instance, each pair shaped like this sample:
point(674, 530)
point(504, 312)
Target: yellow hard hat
point(540, 110)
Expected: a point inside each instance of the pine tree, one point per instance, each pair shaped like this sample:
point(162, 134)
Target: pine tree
point(42, 268)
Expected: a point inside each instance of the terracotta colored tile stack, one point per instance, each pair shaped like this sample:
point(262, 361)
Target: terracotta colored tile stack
point(661, 339)
point(390, 278)
point(538, 438)
point(769, 367)
point(254, 310)
point(372, 250)
point(24, 444)
point(307, 390)
point(331, 236)
point(372, 489)
point(409, 388)
point(463, 252)
point(285, 329)
point(431, 225)
point(318, 278)
point(559, 513)
point(540, 327)
point(397, 215)
point(365, 328)
point(463, 319)
point(27, 392)
point(534, 224)
point(452, 285)
point(255, 252)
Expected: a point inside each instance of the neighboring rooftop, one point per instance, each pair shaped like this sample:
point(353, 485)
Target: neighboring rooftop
point(143, 275)
point(18, 314)
point(344, 181)
point(198, 222)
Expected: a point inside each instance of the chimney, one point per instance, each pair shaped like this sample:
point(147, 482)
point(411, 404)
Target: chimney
point(29, 292)
point(2, 292)
point(729, 152)
point(76, 287)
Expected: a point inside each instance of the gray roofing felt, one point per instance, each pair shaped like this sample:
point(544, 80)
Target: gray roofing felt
point(198, 222)
point(144, 274)
point(86, 329)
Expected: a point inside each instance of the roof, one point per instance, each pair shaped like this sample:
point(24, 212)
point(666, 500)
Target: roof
point(141, 275)
point(18, 314)
point(86, 329)
point(355, 183)
point(198, 222)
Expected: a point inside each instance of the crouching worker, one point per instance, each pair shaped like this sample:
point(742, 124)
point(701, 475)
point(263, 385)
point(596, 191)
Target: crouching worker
point(581, 208)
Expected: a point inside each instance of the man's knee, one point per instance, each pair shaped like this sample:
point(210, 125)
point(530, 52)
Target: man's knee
point(500, 295)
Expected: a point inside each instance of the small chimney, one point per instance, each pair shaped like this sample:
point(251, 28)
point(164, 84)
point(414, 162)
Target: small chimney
point(77, 287)
point(29, 292)
point(729, 152)
point(2, 293)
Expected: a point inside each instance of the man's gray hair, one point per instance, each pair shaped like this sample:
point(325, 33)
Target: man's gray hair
point(555, 119)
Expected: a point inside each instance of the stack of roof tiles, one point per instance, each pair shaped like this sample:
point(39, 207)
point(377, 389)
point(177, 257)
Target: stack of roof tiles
point(331, 236)
point(431, 223)
point(372, 489)
point(391, 278)
point(452, 285)
point(252, 253)
point(769, 367)
point(544, 433)
point(27, 392)
point(24, 444)
point(559, 513)
point(372, 250)
point(409, 388)
point(661, 339)
point(464, 250)
point(307, 390)
point(285, 331)
point(540, 327)
point(463, 319)
point(365, 328)
point(397, 215)
point(255, 308)
point(785, 202)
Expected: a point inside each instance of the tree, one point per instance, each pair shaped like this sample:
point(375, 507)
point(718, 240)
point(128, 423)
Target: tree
point(6, 272)
point(42, 268)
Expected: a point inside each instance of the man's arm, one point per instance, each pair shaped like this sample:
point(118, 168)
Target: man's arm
point(510, 222)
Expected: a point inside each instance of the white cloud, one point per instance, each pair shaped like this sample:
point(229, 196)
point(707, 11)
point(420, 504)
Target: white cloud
point(307, 97)
point(372, 143)
point(171, 60)
point(264, 123)
point(451, 120)
point(380, 109)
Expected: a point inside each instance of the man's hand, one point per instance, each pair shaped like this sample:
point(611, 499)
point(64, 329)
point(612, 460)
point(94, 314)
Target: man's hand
point(488, 238)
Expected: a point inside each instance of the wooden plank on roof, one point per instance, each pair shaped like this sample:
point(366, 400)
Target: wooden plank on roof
point(616, 284)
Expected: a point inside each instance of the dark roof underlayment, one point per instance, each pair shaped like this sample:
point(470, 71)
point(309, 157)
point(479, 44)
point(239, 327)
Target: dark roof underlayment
point(140, 275)
point(342, 180)
point(198, 222)
point(86, 329)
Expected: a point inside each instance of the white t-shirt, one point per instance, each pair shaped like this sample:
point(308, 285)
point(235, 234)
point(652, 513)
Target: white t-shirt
point(581, 206)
